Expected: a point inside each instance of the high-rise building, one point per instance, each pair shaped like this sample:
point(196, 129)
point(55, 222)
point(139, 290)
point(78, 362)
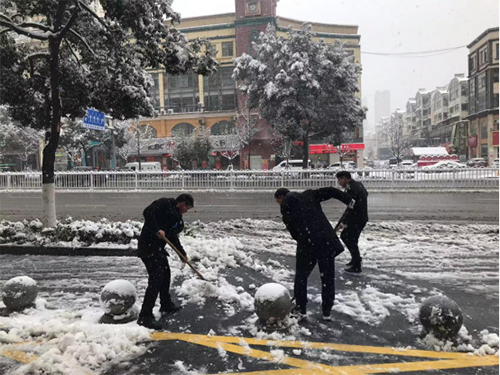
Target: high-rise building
point(188, 101)
point(382, 107)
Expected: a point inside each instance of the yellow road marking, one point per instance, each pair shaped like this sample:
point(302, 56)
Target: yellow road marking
point(312, 345)
point(18, 355)
point(446, 360)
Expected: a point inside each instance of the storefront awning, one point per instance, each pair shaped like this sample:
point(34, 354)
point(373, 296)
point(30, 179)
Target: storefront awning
point(331, 149)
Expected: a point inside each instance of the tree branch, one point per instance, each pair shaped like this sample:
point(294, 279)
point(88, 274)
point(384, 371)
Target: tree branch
point(82, 39)
point(94, 14)
point(21, 31)
point(71, 21)
point(73, 52)
point(35, 25)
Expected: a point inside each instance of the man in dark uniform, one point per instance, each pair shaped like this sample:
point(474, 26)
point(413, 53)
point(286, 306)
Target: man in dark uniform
point(316, 242)
point(355, 219)
point(163, 220)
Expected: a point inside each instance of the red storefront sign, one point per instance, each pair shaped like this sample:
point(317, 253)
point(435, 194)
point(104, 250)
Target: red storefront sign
point(472, 141)
point(331, 149)
point(495, 139)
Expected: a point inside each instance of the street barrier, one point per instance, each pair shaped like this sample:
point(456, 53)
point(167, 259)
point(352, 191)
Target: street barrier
point(395, 179)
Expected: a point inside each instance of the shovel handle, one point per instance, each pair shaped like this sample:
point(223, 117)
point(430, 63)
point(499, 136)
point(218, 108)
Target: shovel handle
point(184, 259)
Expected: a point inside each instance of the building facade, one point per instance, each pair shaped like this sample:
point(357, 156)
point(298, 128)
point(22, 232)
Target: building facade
point(483, 95)
point(188, 101)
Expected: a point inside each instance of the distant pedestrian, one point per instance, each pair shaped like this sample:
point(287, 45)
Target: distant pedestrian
point(316, 242)
point(355, 219)
point(163, 220)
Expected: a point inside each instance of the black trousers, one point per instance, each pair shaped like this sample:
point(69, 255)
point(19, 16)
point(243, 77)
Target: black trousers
point(306, 260)
point(350, 236)
point(158, 283)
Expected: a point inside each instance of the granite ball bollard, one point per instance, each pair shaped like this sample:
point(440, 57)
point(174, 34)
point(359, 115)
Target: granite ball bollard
point(118, 299)
point(441, 316)
point(19, 293)
point(272, 303)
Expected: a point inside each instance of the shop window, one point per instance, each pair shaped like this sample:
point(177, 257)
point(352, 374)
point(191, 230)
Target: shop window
point(484, 130)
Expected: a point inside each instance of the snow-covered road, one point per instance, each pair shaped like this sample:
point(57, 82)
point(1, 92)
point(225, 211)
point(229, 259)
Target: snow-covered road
point(404, 263)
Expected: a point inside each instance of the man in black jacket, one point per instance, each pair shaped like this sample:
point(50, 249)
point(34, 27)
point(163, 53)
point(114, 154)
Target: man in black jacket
point(355, 219)
point(316, 242)
point(163, 220)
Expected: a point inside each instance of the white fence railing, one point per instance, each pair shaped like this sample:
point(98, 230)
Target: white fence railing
point(404, 179)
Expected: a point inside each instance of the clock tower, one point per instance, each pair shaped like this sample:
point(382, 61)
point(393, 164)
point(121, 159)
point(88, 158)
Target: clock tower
point(252, 18)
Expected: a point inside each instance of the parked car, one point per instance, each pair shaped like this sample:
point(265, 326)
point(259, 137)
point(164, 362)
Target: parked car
point(346, 165)
point(147, 166)
point(496, 163)
point(291, 165)
point(477, 163)
point(442, 165)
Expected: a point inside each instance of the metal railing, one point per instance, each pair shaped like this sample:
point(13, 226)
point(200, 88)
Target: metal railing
point(397, 179)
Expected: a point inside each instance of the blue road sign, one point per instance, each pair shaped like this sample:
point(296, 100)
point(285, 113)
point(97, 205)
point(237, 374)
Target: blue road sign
point(94, 120)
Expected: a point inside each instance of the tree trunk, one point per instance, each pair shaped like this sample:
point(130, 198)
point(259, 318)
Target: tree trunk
point(305, 160)
point(49, 151)
point(249, 153)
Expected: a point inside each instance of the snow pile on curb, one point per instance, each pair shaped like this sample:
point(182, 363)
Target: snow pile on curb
point(69, 233)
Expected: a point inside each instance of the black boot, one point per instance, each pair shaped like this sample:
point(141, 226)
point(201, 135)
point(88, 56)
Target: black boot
point(170, 308)
point(353, 269)
point(349, 264)
point(298, 313)
point(150, 322)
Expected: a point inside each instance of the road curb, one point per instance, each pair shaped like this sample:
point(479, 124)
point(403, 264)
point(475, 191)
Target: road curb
point(66, 251)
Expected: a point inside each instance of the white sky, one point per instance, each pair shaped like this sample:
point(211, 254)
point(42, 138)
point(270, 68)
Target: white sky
point(390, 26)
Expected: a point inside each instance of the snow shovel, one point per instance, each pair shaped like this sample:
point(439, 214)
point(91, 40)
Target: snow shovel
point(184, 259)
point(349, 207)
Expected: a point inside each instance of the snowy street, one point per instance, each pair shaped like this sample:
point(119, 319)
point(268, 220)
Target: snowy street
point(404, 263)
point(212, 206)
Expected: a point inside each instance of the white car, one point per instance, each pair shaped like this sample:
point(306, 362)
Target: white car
point(346, 165)
point(446, 164)
point(496, 163)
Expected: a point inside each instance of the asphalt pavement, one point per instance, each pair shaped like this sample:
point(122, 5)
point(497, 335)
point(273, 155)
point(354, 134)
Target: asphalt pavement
point(429, 206)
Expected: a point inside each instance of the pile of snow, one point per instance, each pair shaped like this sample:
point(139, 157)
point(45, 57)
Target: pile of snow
point(70, 233)
point(70, 341)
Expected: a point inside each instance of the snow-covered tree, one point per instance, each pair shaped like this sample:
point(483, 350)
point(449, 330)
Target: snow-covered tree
point(396, 138)
point(77, 140)
point(136, 137)
point(193, 148)
point(18, 140)
point(75, 57)
point(301, 87)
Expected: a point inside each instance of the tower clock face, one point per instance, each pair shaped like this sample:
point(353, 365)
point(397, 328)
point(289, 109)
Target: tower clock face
point(252, 7)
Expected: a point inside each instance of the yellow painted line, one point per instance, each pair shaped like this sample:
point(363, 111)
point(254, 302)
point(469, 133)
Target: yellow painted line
point(445, 360)
point(313, 345)
point(259, 354)
point(18, 355)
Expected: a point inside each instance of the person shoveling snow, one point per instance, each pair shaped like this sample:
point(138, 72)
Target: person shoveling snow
point(163, 223)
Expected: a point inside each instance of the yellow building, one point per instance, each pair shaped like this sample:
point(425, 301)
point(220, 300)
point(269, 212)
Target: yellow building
point(188, 101)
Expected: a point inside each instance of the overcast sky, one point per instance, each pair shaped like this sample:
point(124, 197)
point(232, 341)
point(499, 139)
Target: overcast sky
point(390, 26)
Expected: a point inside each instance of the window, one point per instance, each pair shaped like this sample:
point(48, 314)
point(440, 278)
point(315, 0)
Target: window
point(483, 56)
point(156, 89)
point(484, 130)
point(227, 49)
point(182, 129)
point(213, 50)
point(223, 127)
point(472, 62)
point(496, 54)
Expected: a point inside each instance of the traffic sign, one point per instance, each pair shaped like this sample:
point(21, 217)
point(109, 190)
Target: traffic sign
point(94, 120)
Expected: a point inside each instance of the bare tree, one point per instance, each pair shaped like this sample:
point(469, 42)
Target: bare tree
point(341, 142)
point(142, 136)
point(247, 127)
point(397, 141)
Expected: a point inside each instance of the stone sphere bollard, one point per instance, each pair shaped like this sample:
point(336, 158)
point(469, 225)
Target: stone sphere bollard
point(19, 293)
point(441, 316)
point(272, 303)
point(118, 299)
